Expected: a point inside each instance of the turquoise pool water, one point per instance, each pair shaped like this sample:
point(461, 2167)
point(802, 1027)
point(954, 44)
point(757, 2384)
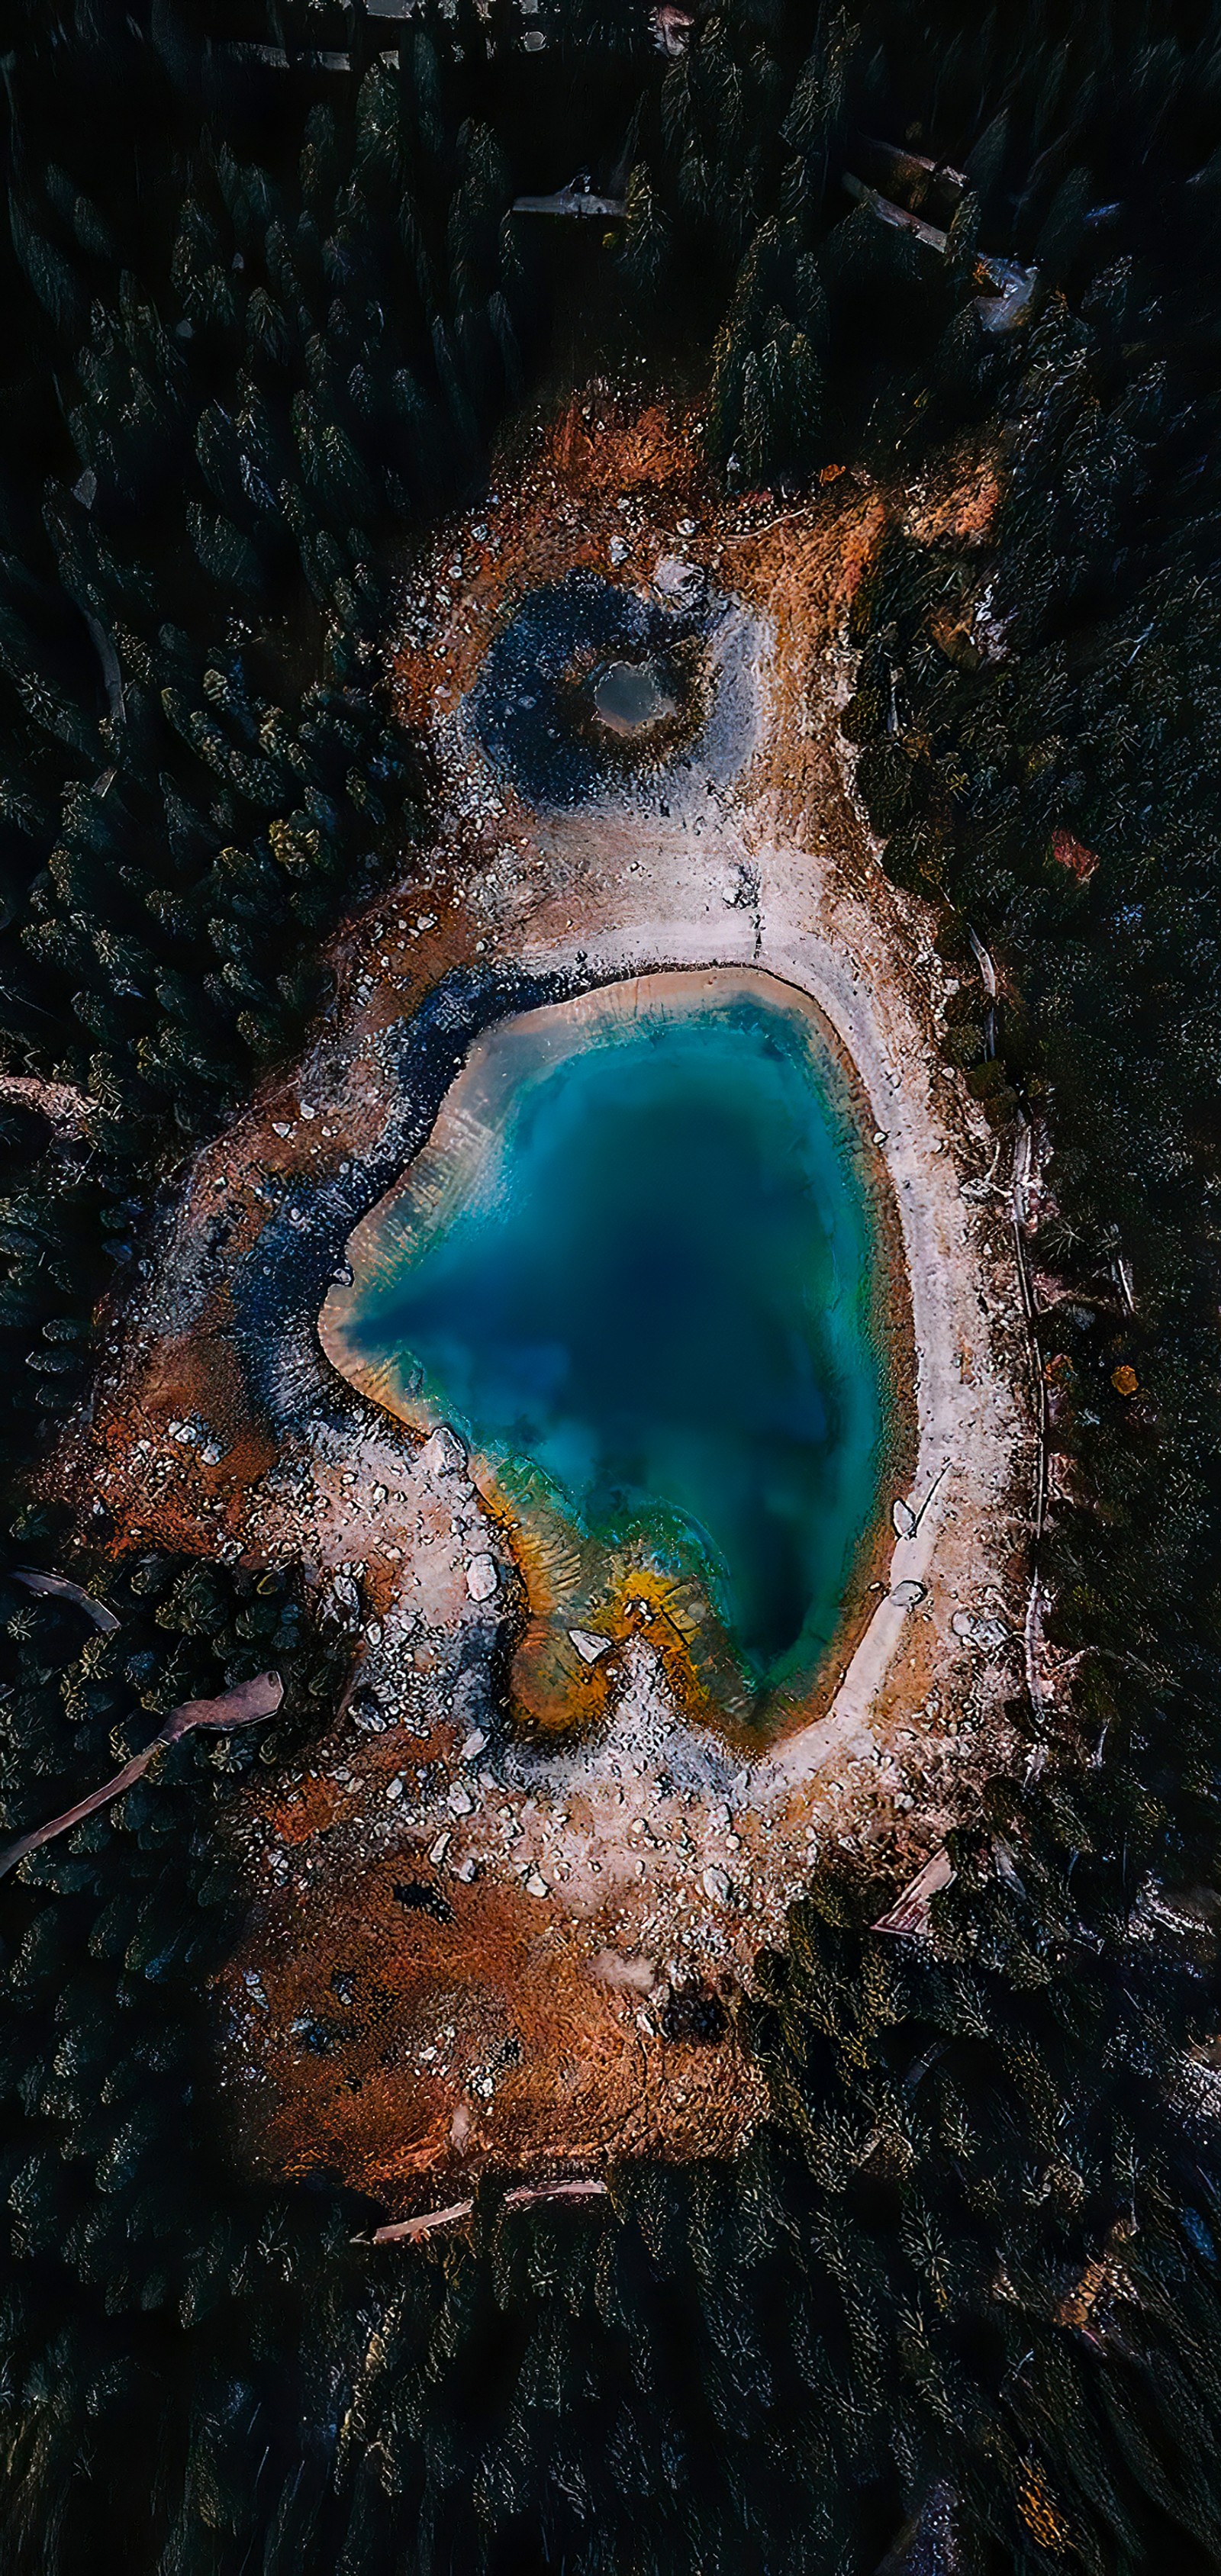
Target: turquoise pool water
point(646, 1258)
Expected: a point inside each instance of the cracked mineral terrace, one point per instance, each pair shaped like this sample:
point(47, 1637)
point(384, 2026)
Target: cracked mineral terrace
point(467, 1944)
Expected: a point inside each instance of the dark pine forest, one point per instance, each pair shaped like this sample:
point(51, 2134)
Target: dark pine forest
point(266, 315)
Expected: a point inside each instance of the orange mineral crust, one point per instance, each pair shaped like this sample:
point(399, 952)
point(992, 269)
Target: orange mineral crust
point(443, 2025)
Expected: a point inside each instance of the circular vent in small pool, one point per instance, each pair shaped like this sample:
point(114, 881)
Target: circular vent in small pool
point(597, 692)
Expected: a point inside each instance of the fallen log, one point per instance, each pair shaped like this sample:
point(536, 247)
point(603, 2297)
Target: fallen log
point(984, 961)
point(1023, 1175)
point(586, 2188)
point(58, 1587)
point(406, 2230)
point(577, 198)
point(1032, 1645)
point(1010, 289)
point(245, 1706)
point(59, 1102)
point(909, 168)
point(908, 1916)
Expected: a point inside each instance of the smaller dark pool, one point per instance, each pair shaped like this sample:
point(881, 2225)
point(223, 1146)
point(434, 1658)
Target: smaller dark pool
point(594, 691)
point(630, 696)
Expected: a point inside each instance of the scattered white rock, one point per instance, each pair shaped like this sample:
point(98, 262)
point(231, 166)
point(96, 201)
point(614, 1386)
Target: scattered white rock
point(906, 1594)
point(980, 1628)
point(589, 1644)
point(717, 1886)
point(536, 1886)
point(439, 1849)
point(676, 579)
point(459, 1800)
point(474, 1744)
point(443, 1453)
point(482, 1578)
point(614, 1969)
point(903, 1518)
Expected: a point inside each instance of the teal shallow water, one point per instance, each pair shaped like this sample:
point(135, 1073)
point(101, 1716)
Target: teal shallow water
point(653, 1268)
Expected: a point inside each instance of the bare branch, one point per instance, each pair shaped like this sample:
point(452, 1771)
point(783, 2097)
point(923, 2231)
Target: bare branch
point(244, 1706)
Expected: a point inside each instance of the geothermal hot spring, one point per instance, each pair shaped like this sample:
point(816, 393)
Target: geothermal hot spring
point(640, 1265)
